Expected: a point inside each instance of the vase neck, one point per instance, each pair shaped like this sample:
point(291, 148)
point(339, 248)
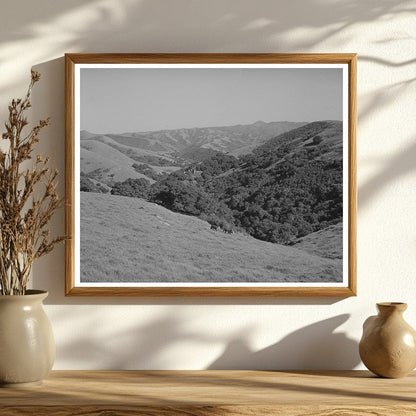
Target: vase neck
point(391, 308)
point(35, 296)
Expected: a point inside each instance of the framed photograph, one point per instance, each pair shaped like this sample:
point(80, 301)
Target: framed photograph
point(211, 174)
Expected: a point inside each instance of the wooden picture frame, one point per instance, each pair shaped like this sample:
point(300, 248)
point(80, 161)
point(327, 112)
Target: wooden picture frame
point(82, 98)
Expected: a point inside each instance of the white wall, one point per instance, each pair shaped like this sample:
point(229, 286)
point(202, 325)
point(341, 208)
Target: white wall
point(199, 333)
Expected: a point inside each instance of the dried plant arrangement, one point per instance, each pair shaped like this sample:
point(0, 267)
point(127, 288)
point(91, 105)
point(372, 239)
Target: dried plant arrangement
point(28, 198)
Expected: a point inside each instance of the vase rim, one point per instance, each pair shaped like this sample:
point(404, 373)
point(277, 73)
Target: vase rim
point(400, 306)
point(30, 293)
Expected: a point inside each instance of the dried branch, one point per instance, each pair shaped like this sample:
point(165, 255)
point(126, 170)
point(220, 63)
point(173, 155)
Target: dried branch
point(23, 218)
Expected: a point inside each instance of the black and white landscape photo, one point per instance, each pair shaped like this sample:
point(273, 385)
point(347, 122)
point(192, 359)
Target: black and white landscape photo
point(211, 175)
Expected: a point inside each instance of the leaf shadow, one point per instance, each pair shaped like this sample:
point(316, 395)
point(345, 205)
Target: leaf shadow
point(313, 347)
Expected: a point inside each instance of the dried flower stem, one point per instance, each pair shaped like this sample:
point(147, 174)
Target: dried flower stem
point(23, 217)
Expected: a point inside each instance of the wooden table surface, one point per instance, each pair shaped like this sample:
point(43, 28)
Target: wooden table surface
point(202, 393)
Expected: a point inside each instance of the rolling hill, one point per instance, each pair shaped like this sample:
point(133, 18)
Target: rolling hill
point(107, 167)
point(326, 134)
point(238, 139)
point(111, 157)
point(105, 161)
point(130, 240)
point(325, 243)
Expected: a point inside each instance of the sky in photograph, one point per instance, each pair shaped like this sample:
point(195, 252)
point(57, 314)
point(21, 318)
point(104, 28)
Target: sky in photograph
point(120, 100)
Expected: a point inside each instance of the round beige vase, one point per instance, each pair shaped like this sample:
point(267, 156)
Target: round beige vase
point(27, 347)
point(388, 345)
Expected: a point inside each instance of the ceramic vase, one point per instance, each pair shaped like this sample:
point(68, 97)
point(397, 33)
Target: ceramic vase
point(388, 345)
point(27, 347)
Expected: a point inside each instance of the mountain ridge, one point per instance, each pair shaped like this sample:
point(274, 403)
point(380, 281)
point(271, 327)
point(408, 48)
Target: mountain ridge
point(236, 139)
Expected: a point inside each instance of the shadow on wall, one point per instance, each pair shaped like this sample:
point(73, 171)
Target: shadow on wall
point(95, 23)
point(151, 26)
point(48, 100)
point(314, 347)
point(217, 20)
point(384, 96)
point(141, 347)
point(153, 345)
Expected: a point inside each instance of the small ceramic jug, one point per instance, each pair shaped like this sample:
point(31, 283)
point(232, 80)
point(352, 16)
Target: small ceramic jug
point(388, 344)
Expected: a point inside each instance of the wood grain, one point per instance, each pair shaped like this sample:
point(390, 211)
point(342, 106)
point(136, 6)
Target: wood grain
point(352, 175)
point(69, 174)
point(184, 58)
point(202, 393)
point(211, 291)
point(211, 411)
point(343, 58)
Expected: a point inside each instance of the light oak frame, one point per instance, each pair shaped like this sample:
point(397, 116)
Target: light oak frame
point(338, 58)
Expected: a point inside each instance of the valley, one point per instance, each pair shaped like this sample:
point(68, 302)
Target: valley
point(226, 191)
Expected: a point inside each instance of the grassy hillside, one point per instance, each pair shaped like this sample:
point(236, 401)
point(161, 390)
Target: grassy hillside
point(133, 152)
point(106, 170)
point(130, 240)
point(106, 162)
point(105, 152)
point(325, 243)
